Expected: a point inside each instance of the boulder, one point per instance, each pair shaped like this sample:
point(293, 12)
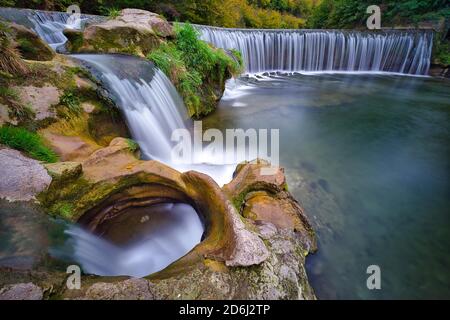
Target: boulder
point(21, 291)
point(30, 45)
point(281, 276)
point(22, 178)
point(64, 170)
point(131, 289)
point(263, 197)
point(133, 31)
point(247, 252)
point(145, 20)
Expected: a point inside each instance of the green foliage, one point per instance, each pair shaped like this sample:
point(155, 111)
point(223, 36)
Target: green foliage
point(26, 46)
point(8, 93)
point(168, 58)
point(29, 142)
point(441, 50)
point(261, 13)
point(190, 63)
point(70, 100)
point(132, 145)
point(110, 12)
point(352, 13)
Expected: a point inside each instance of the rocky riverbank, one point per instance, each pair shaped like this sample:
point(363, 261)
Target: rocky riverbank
point(83, 168)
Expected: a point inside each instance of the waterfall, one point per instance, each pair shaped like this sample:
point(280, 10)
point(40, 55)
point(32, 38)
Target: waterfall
point(151, 105)
point(153, 110)
point(406, 52)
point(49, 25)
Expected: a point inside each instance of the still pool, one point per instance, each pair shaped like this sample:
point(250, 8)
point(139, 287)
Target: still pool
point(368, 157)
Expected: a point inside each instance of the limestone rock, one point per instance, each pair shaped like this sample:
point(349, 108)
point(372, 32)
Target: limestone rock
point(22, 177)
point(249, 249)
point(69, 148)
point(218, 267)
point(262, 195)
point(21, 291)
point(133, 31)
point(131, 289)
point(145, 19)
point(39, 99)
point(64, 170)
point(30, 45)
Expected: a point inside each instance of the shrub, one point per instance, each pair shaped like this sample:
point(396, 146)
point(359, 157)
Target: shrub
point(132, 145)
point(28, 142)
point(190, 62)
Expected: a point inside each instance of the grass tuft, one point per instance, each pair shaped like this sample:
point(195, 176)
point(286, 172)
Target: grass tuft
point(28, 142)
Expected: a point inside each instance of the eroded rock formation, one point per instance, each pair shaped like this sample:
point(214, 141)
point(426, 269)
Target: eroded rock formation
point(242, 256)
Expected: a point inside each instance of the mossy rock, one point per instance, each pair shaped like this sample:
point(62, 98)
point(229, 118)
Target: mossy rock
point(30, 45)
point(134, 31)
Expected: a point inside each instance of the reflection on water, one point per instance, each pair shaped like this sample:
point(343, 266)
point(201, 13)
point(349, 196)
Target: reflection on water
point(368, 157)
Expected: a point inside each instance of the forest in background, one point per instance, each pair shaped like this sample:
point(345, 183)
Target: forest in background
point(263, 13)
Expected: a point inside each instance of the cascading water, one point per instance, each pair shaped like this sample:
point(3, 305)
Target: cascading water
point(326, 50)
point(149, 101)
point(137, 242)
point(50, 27)
point(153, 111)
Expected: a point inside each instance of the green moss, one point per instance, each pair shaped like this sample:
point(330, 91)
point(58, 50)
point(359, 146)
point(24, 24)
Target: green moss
point(65, 209)
point(198, 70)
point(75, 39)
point(82, 194)
point(29, 142)
point(26, 47)
point(112, 12)
point(132, 145)
point(239, 200)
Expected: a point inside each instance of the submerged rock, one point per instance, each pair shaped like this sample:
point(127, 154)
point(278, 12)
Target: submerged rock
point(22, 178)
